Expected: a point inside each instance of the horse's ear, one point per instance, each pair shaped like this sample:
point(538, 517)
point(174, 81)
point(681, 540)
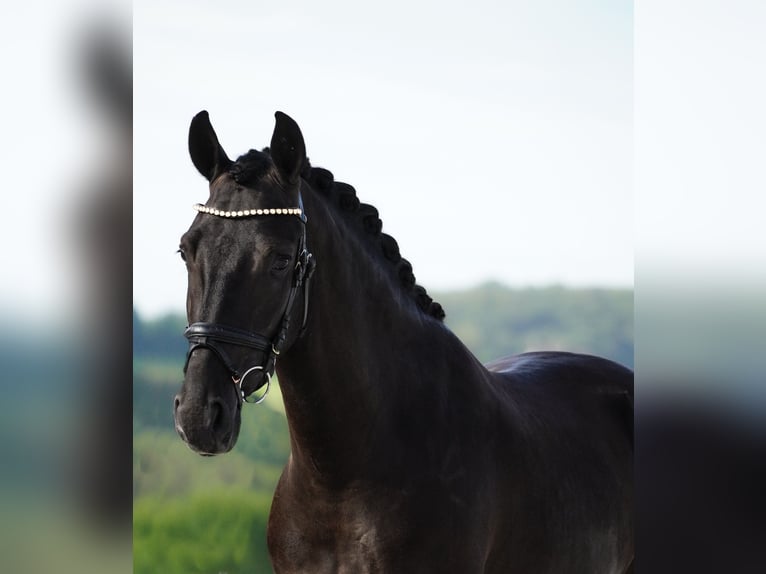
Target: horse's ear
point(288, 151)
point(206, 153)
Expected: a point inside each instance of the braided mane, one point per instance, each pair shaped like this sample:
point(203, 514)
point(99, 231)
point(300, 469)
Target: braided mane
point(364, 218)
point(343, 197)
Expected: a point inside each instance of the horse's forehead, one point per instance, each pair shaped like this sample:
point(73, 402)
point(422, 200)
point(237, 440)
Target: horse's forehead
point(226, 189)
point(232, 235)
point(225, 186)
point(228, 194)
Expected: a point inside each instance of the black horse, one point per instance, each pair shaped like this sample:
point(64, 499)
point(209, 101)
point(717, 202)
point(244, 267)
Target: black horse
point(408, 454)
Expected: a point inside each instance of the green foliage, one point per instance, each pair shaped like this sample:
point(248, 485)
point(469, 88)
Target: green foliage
point(163, 466)
point(209, 533)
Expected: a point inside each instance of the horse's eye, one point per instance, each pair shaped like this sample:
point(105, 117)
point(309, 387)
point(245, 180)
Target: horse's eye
point(281, 263)
point(182, 253)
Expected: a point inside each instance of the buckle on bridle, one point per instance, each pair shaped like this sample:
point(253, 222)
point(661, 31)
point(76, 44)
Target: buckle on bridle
point(303, 267)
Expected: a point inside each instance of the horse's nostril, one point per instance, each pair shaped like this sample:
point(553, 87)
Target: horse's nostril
point(216, 413)
point(176, 402)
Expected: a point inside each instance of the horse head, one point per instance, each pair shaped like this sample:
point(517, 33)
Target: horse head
point(247, 264)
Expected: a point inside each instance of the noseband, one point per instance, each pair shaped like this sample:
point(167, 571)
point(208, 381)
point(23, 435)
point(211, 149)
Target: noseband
point(214, 336)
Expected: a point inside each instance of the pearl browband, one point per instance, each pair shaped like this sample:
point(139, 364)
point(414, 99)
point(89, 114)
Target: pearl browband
point(249, 212)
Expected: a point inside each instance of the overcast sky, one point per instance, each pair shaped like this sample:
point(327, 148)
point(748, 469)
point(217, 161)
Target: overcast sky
point(495, 138)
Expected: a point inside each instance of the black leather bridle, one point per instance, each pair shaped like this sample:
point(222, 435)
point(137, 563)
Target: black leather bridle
point(215, 337)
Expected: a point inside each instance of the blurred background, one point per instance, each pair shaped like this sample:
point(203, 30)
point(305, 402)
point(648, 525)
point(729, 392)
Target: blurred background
point(548, 141)
point(65, 370)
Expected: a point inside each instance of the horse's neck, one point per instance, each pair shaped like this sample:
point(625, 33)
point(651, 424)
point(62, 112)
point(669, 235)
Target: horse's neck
point(364, 349)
